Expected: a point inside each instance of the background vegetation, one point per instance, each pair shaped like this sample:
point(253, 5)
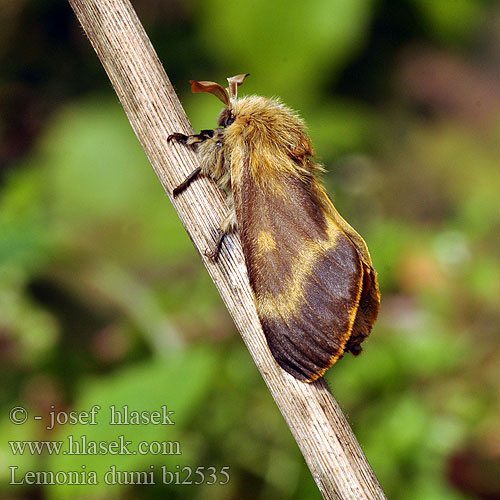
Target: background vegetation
point(104, 301)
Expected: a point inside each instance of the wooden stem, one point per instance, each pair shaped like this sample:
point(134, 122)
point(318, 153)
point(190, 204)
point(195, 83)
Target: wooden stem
point(328, 444)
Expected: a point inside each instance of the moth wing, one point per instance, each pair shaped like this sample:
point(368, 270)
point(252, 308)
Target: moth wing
point(308, 275)
point(370, 297)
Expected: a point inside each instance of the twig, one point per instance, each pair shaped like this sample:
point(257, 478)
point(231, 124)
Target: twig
point(328, 444)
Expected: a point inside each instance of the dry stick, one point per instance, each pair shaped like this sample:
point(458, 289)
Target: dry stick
point(330, 448)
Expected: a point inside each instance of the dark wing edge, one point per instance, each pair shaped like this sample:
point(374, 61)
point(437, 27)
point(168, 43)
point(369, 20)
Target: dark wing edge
point(369, 303)
point(306, 345)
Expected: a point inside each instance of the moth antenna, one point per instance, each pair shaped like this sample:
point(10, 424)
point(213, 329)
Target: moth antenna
point(212, 88)
point(234, 83)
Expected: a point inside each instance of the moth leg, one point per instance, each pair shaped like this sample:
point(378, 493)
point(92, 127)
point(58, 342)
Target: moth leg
point(191, 140)
point(214, 253)
point(228, 225)
point(186, 182)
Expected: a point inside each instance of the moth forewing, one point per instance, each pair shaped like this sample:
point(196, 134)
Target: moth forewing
point(314, 285)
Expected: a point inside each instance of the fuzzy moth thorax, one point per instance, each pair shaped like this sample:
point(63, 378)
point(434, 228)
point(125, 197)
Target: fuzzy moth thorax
point(264, 118)
point(273, 138)
point(263, 122)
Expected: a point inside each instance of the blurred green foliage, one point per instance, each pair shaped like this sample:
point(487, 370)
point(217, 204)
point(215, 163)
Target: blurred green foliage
point(104, 301)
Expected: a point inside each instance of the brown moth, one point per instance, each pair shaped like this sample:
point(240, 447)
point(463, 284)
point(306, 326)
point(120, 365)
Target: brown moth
point(311, 273)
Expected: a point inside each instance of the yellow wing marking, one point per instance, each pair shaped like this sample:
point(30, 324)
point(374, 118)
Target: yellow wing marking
point(266, 242)
point(288, 302)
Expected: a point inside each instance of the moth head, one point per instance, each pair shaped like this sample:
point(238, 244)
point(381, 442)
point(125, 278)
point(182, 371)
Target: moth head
point(227, 95)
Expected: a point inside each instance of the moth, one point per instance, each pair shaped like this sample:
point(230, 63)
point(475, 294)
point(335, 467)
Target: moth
point(314, 284)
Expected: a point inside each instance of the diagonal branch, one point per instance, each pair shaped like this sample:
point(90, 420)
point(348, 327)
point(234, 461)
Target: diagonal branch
point(328, 444)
